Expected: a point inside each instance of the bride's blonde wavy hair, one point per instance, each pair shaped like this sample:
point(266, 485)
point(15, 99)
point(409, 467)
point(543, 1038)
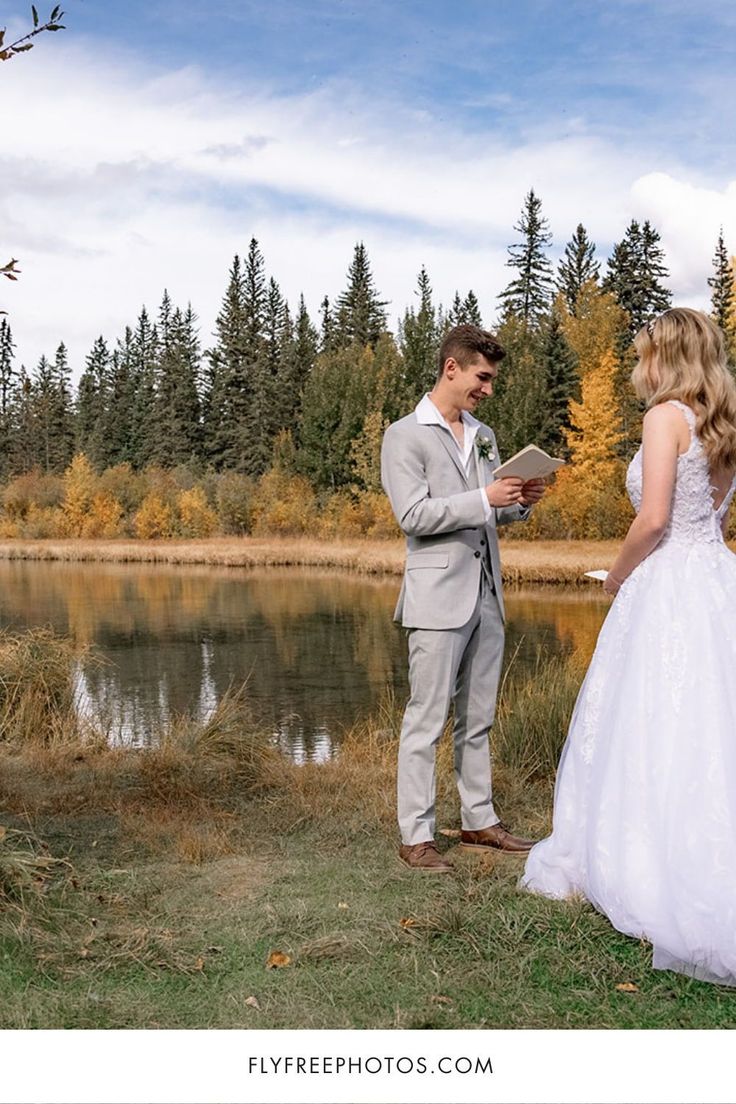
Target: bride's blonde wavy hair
point(682, 355)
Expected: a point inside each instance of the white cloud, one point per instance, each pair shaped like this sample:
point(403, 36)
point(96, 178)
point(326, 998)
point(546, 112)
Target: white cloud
point(689, 217)
point(116, 182)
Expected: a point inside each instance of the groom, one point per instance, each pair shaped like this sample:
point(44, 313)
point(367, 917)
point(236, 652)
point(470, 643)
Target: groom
point(436, 467)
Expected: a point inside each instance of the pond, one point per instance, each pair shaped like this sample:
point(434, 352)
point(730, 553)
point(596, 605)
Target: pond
point(318, 649)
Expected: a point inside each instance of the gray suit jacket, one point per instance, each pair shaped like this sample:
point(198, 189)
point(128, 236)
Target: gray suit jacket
point(439, 509)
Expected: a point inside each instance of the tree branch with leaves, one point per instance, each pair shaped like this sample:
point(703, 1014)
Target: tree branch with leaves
point(24, 42)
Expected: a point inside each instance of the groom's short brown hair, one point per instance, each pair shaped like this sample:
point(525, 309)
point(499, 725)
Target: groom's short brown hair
point(465, 343)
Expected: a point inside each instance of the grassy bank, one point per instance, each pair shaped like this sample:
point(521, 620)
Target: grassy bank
point(524, 562)
point(151, 888)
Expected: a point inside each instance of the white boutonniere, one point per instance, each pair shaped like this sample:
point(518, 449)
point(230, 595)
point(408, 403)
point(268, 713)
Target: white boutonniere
point(484, 446)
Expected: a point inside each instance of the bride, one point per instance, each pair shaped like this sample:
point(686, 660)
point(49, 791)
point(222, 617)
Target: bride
point(645, 800)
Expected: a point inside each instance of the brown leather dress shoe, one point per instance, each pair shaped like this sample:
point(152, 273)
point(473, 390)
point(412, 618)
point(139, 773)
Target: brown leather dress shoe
point(425, 857)
point(496, 838)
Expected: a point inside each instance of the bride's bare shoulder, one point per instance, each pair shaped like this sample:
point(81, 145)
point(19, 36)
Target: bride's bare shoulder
point(667, 420)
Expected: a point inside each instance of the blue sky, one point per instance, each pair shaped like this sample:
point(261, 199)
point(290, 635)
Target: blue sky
point(416, 127)
point(660, 68)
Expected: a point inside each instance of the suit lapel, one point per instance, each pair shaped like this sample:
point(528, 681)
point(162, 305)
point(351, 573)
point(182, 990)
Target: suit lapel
point(450, 448)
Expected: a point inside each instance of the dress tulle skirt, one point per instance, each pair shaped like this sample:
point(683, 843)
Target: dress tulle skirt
point(645, 801)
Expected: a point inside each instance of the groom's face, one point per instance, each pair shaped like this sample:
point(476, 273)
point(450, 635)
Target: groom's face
point(471, 383)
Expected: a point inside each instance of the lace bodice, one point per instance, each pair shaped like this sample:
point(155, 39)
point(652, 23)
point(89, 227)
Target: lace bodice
point(693, 516)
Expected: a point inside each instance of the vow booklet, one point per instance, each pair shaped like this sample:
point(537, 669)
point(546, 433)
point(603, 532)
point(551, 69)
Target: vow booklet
point(530, 463)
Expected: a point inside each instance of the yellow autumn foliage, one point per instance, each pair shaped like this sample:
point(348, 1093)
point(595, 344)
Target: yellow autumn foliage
point(80, 487)
point(588, 499)
point(105, 518)
point(155, 519)
point(283, 504)
point(196, 518)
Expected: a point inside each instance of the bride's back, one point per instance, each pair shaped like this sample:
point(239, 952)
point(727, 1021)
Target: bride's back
point(696, 512)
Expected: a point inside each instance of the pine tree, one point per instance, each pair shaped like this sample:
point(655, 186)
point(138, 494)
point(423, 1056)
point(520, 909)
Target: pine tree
point(42, 405)
point(529, 293)
point(92, 405)
point(654, 270)
point(63, 428)
point(471, 309)
point(562, 384)
point(360, 317)
point(23, 444)
point(299, 356)
point(276, 382)
point(577, 266)
point(8, 392)
point(723, 297)
point(8, 377)
point(223, 391)
point(327, 326)
point(143, 354)
point(177, 406)
point(456, 314)
point(118, 417)
point(636, 274)
point(419, 339)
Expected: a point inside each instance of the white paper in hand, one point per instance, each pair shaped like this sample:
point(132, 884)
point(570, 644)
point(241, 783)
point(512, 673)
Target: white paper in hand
point(530, 463)
point(601, 575)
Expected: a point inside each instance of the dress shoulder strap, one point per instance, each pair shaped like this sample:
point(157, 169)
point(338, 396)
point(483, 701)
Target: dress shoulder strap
point(688, 413)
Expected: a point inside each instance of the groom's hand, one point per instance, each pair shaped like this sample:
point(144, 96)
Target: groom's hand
point(531, 492)
point(505, 492)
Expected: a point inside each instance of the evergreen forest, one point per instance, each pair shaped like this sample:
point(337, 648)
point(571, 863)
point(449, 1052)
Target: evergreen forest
point(276, 427)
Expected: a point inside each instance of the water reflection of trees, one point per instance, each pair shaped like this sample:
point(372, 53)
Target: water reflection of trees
point(318, 649)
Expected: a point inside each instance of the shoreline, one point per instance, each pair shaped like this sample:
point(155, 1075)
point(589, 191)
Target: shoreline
point(539, 563)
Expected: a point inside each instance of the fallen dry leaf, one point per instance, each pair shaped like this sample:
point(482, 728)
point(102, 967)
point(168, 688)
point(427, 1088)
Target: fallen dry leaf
point(437, 998)
point(627, 987)
point(199, 964)
point(408, 922)
point(252, 1002)
point(343, 905)
point(450, 833)
point(277, 959)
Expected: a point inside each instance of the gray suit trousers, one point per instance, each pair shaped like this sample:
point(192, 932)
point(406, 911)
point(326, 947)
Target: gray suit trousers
point(451, 666)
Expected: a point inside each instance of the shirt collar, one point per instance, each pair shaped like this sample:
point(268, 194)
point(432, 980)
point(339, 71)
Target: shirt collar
point(428, 414)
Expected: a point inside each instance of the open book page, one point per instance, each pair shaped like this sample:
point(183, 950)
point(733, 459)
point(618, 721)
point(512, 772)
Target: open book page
point(530, 463)
point(602, 575)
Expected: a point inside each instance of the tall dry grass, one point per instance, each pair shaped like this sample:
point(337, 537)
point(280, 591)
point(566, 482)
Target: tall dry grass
point(194, 789)
point(26, 867)
point(37, 688)
point(524, 562)
point(534, 714)
point(355, 792)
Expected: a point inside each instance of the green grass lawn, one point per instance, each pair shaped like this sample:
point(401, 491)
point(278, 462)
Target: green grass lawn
point(136, 940)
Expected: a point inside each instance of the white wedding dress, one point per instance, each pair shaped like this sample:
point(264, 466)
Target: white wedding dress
point(645, 800)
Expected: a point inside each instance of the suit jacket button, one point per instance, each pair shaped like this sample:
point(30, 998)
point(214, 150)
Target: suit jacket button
point(477, 555)
point(483, 540)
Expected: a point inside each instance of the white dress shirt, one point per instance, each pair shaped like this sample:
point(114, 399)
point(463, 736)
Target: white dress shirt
point(428, 414)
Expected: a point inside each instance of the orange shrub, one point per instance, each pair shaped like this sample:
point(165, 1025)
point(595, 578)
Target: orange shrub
point(34, 488)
